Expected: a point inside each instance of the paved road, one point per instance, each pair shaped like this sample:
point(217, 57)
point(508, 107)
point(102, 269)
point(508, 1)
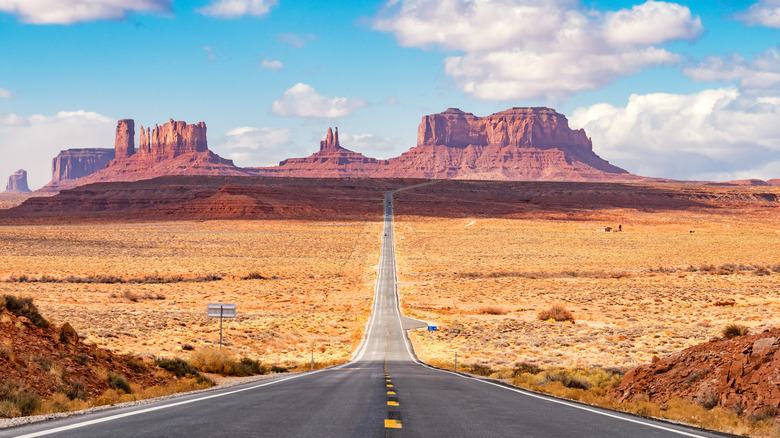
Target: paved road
point(383, 392)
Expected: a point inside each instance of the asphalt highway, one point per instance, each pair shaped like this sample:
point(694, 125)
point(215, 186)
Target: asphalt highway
point(383, 392)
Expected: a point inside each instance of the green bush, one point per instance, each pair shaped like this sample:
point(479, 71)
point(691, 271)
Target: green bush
point(178, 367)
point(117, 382)
point(24, 307)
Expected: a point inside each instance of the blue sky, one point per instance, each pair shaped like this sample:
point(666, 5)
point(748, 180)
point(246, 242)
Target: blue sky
point(683, 90)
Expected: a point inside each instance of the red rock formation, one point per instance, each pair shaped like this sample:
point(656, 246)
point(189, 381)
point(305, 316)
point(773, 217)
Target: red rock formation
point(742, 371)
point(72, 164)
point(331, 161)
point(174, 148)
point(17, 182)
point(124, 143)
point(516, 144)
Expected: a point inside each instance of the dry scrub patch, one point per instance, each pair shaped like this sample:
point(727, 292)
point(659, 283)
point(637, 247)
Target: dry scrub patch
point(298, 285)
point(636, 294)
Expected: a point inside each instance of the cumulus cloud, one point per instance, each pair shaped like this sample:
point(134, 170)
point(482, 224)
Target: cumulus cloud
point(368, 144)
point(269, 64)
point(301, 100)
point(526, 49)
point(5, 94)
point(717, 134)
point(237, 8)
point(31, 142)
point(758, 75)
point(249, 146)
point(76, 11)
point(762, 13)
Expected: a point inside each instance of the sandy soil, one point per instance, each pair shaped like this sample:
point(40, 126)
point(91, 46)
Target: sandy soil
point(653, 289)
point(315, 291)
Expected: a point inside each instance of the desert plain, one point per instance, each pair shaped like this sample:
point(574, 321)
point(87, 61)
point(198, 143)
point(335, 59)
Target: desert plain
point(686, 263)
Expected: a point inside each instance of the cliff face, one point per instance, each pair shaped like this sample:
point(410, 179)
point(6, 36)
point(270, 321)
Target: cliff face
point(72, 164)
point(516, 144)
point(17, 182)
point(172, 139)
point(519, 143)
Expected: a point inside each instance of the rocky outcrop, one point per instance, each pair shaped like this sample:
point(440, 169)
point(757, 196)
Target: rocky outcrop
point(516, 144)
point(175, 148)
point(741, 373)
point(73, 164)
point(124, 143)
point(172, 139)
point(17, 182)
point(331, 161)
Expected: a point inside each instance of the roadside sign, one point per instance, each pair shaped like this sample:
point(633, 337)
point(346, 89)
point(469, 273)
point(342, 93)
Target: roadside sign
point(432, 328)
point(221, 310)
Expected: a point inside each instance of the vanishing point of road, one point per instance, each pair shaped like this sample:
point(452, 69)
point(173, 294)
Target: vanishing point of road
point(383, 392)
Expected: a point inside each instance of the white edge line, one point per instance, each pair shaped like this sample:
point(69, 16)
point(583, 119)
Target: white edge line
point(157, 408)
point(517, 390)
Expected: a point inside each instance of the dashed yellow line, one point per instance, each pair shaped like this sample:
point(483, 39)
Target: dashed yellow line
point(390, 392)
point(389, 385)
point(392, 424)
point(392, 403)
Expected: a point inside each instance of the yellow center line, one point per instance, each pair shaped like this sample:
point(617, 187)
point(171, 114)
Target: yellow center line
point(392, 403)
point(390, 392)
point(389, 385)
point(392, 424)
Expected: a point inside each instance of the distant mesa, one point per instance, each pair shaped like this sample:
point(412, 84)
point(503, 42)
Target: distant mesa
point(70, 165)
point(521, 144)
point(17, 182)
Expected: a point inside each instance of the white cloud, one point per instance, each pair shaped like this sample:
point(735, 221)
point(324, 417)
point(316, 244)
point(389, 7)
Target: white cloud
point(762, 13)
point(301, 100)
point(715, 134)
point(269, 64)
point(237, 8)
point(76, 11)
point(210, 52)
point(652, 22)
point(294, 40)
point(761, 74)
point(525, 49)
point(249, 146)
point(369, 144)
point(31, 142)
point(5, 94)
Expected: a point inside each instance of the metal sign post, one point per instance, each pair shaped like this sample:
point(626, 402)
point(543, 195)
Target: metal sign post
point(221, 310)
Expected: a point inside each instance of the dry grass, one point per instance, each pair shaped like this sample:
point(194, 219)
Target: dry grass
point(297, 285)
point(651, 290)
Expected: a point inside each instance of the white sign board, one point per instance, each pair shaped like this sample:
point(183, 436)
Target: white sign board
point(221, 310)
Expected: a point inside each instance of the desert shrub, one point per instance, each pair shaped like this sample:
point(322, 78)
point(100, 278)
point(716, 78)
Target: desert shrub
point(254, 275)
point(278, 369)
point(249, 367)
point(213, 360)
point(178, 367)
point(118, 382)
point(707, 398)
point(136, 365)
point(568, 380)
point(525, 367)
point(130, 295)
point(480, 369)
point(761, 271)
point(43, 361)
point(492, 310)
point(765, 413)
point(25, 307)
point(734, 330)
point(76, 389)
point(82, 359)
point(17, 401)
point(187, 347)
point(557, 312)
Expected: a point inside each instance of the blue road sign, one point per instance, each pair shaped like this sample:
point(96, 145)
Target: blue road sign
point(432, 328)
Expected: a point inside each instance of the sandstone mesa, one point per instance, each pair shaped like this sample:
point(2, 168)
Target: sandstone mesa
point(17, 182)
